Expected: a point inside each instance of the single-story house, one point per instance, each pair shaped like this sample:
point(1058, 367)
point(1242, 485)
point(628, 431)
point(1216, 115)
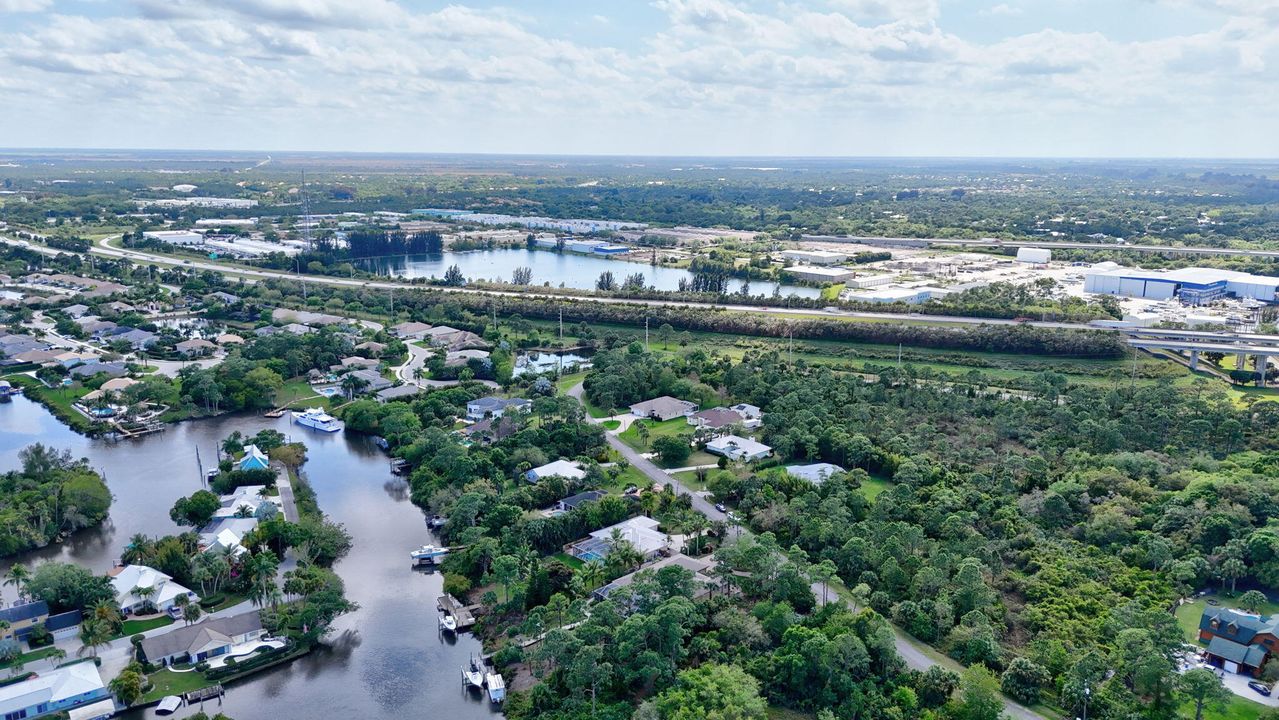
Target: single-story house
point(227, 533)
point(298, 329)
point(71, 358)
point(95, 325)
point(210, 638)
point(88, 370)
point(459, 358)
point(195, 346)
point(248, 498)
point(816, 473)
point(560, 468)
point(702, 580)
point(115, 385)
point(640, 531)
point(160, 591)
point(491, 406)
point(663, 408)
point(37, 356)
point(121, 307)
point(52, 691)
point(228, 339)
point(400, 392)
point(715, 418)
point(225, 298)
point(735, 447)
point(371, 347)
point(76, 311)
point(373, 380)
point(410, 330)
point(491, 430)
point(750, 412)
point(573, 501)
point(353, 362)
point(1238, 642)
point(19, 619)
point(254, 459)
point(137, 339)
point(305, 317)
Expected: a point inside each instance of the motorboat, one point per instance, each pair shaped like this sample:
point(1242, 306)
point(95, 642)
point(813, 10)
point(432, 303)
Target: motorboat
point(428, 554)
point(6, 390)
point(169, 704)
point(317, 419)
point(436, 522)
point(448, 622)
point(473, 676)
point(496, 686)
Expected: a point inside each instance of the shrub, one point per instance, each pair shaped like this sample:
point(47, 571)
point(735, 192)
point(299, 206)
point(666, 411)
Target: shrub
point(456, 585)
point(508, 655)
point(137, 639)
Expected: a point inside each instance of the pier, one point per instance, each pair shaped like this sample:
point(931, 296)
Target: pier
point(463, 614)
point(195, 696)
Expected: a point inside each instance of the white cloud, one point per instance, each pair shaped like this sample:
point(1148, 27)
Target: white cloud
point(1003, 9)
point(24, 6)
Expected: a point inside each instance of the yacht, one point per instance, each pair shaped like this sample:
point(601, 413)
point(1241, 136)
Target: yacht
point(428, 554)
point(317, 419)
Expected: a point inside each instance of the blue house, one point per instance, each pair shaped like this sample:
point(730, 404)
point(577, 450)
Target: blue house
point(254, 459)
point(20, 619)
point(61, 689)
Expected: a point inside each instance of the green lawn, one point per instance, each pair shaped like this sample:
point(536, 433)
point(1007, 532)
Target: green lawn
point(611, 425)
point(32, 656)
point(1237, 708)
point(568, 560)
point(133, 627)
point(567, 381)
point(167, 682)
point(297, 390)
point(656, 429)
point(875, 485)
point(630, 476)
point(689, 480)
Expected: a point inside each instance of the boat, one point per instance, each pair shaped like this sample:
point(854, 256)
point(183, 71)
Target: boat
point(428, 554)
point(6, 390)
point(497, 687)
point(436, 522)
point(473, 676)
point(317, 419)
point(169, 704)
point(448, 622)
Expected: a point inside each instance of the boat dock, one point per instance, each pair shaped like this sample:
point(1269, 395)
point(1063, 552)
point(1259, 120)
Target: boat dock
point(463, 614)
point(277, 412)
point(139, 432)
point(195, 696)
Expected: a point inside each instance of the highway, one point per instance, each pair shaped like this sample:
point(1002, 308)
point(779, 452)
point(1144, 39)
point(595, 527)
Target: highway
point(1046, 244)
point(250, 274)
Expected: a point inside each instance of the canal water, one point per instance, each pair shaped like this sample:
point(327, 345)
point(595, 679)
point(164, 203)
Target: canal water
point(574, 270)
point(385, 661)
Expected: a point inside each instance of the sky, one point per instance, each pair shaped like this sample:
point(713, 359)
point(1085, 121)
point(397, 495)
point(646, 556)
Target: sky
point(991, 78)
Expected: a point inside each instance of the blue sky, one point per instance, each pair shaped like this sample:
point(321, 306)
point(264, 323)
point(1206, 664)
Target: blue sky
point(1149, 78)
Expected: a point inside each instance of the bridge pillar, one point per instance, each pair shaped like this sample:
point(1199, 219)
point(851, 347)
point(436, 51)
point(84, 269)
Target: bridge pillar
point(1194, 359)
point(1263, 361)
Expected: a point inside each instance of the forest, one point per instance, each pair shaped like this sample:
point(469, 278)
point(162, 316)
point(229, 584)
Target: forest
point(51, 497)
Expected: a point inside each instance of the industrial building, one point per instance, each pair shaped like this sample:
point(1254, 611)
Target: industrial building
point(815, 257)
point(813, 273)
point(889, 295)
point(174, 237)
point(1038, 256)
point(870, 281)
point(1193, 286)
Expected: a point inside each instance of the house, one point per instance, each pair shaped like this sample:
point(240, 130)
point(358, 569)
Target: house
point(700, 568)
point(76, 311)
point(113, 370)
point(195, 643)
point(228, 339)
point(491, 406)
point(157, 589)
point(355, 362)
point(371, 347)
point(400, 392)
point(715, 418)
point(459, 358)
point(115, 385)
point(410, 330)
point(750, 412)
point(373, 381)
point(36, 356)
point(735, 447)
point(491, 430)
point(225, 298)
point(227, 534)
point(195, 347)
point(70, 358)
point(19, 619)
point(572, 501)
point(135, 338)
point(254, 459)
point(297, 329)
point(57, 690)
point(816, 473)
point(95, 326)
point(640, 531)
point(250, 500)
point(1238, 642)
point(305, 317)
point(121, 307)
point(560, 468)
point(663, 408)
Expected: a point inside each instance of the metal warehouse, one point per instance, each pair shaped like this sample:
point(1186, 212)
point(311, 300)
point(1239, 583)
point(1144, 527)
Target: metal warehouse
point(1193, 286)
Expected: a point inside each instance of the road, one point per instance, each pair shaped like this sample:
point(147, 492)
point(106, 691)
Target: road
point(1030, 243)
point(910, 652)
point(251, 274)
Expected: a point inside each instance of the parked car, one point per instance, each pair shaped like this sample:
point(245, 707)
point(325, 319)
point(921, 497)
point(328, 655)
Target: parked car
point(174, 612)
point(720, 507)
point(1260, 688)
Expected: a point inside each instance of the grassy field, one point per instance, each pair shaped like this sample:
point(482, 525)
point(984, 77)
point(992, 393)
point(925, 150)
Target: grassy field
point(874, 486)
point(296, 391)
point(168, 682)
point(568, 560)
point(133, 627)
point(1237, 708)
point(656, 429)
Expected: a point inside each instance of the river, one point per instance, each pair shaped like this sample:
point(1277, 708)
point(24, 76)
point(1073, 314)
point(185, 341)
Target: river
point(574, 270)
point(384, 661)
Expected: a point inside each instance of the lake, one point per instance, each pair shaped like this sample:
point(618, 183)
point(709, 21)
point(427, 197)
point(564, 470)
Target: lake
point(385, 661)
point(574, 270)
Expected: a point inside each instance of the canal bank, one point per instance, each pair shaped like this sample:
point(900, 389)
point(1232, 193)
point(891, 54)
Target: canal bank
point(385, 661)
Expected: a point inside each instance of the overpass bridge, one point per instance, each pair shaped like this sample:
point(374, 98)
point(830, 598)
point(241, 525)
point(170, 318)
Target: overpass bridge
point(1242, 345)
point(1032, 243)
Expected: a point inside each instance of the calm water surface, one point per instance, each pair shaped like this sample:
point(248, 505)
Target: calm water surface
point(574, 270)
point(385, 661)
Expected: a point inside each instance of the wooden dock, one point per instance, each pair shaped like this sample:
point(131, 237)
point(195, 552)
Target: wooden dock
point(138, 432)
point(461, 613)
point(277, 412)
point(203, 694)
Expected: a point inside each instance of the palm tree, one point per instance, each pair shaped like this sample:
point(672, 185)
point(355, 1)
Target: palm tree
point(352, 384)
point(261, 570)
point(55, 656)
point(191, 613)
point(145, 594)
point(138, 550)
point(18, 576)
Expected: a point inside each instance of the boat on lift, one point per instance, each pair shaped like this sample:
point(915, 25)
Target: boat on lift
point(428, 555)
point(473, 675)
point(448, 622)
point(317, 419)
